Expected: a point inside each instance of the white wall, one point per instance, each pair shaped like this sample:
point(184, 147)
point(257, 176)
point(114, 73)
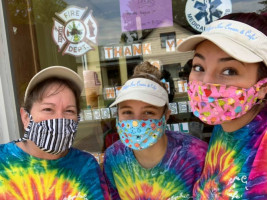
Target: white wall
point(9, 128)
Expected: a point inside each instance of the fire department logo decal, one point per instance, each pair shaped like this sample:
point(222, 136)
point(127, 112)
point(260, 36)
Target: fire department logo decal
point(75, 32)
point(200, 13)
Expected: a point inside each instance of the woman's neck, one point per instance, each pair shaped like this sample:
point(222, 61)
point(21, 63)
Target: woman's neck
point(150, 157)
point(30, 148)
point(238, 123)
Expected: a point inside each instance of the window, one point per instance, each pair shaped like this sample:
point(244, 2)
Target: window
point(166, 37)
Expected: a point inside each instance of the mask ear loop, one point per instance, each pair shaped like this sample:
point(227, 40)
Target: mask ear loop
point(262, 83)
point(26, 135)
point(78, 118)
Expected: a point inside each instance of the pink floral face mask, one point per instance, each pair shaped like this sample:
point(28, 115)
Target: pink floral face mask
point(215, 103)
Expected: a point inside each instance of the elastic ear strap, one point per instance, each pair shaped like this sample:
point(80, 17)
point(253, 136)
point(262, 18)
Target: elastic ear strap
point(26, 135)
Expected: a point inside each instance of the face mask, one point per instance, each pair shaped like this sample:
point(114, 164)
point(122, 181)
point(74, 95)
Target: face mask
point(215, 103)
point(52, 136)
point(141, 134)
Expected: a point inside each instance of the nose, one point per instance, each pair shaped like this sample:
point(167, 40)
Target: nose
point(208, 78)
point(138, 116)
point(59, 115)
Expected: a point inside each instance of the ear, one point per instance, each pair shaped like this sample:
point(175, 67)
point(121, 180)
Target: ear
point(262, 91)
point(24, 118)
point(167, 114)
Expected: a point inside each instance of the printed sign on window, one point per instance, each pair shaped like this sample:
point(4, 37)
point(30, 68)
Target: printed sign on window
point(201, 12)
point(170, 45)
point(145, 14)
point(110, 93)
point(74, 30)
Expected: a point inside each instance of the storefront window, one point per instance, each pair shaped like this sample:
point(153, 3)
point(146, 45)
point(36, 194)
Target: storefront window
point(103, 41)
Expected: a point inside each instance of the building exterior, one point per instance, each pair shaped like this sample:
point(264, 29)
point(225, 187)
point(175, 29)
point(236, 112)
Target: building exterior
point(102, 40)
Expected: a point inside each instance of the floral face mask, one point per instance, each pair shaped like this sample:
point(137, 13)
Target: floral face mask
point(141, 134)
point(215, 103)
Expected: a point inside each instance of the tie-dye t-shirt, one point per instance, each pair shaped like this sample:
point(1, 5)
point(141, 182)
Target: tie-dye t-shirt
point(236, 163)
point(172, 178)
point(76, 176)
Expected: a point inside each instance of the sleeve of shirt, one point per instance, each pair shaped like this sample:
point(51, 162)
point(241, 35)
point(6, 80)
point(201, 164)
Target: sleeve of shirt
point(257, 181)
point(93, 176)
point(107, 169)
point(103, 184)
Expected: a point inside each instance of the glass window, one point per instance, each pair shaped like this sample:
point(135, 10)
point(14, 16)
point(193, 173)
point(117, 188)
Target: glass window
point(167, 39)
point(103, 41)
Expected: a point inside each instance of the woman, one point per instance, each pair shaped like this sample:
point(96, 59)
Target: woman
point(42, 164)
point(227, 88)
point(149, 162)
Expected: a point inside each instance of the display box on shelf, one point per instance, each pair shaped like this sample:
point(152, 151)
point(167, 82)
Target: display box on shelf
point(105, 113)
point(173, 108)
point(88, 114)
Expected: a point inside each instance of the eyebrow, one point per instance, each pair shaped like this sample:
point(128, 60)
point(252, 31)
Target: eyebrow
point(221, 59)
point(121, 107)
point(199, 56)
point(149, 106)
point(52, 104)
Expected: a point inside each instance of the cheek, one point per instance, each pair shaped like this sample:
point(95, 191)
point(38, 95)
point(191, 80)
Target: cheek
point(193, 76)
point(121, 117)
point(75, 118)
point(37, 116)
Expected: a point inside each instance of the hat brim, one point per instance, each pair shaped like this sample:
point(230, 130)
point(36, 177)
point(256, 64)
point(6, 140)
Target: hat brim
point(229, 45)
point(140, 96)
point(54, 71)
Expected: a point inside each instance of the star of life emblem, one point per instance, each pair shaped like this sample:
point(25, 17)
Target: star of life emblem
point(75, 32)
point(200, 13)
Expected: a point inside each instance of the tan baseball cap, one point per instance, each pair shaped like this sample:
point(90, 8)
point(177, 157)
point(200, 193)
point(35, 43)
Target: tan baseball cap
point(239, 40)
point(54, 71)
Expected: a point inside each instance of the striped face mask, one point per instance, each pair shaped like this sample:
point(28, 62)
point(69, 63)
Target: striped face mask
point(52, 136)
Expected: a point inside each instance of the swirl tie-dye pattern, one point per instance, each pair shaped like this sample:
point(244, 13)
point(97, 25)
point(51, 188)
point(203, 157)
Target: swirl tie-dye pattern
point(24, 177)
point(236, 163)
point(172, 178)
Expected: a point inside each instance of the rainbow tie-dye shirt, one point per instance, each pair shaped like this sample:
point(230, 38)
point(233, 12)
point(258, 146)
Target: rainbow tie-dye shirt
point(76, 176)
point(173, 178)
point(236, 163)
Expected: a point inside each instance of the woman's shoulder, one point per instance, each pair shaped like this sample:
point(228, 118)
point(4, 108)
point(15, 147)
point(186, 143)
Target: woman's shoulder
point(186, 140)
point(77, 154)
point(117, 153)
point(263, 113)
point(188, 147)
point(116, 148)
point(7, 148)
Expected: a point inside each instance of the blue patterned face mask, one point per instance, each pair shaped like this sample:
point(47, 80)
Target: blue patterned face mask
point(141, 134)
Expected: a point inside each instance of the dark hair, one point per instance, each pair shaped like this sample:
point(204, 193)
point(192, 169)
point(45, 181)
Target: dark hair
point(257, 21)
point(38, 92)
point(148, 71)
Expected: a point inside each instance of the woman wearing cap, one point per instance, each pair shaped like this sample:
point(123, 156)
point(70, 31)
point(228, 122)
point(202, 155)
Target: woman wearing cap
point(227, 88)
point(149, 162)
point(42, 164)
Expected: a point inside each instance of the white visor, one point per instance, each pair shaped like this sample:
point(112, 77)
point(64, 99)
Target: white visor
point(144, 90)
